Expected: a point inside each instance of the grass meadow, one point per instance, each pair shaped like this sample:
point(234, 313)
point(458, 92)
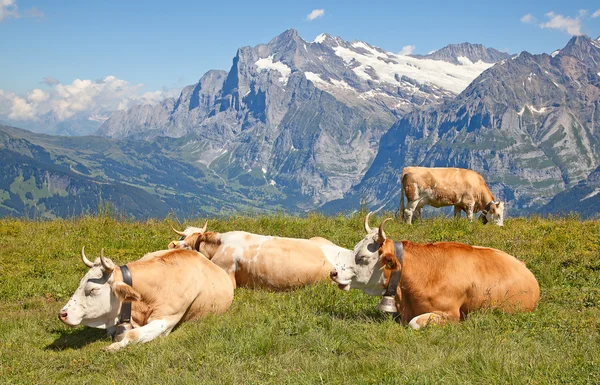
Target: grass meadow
point(316, 335)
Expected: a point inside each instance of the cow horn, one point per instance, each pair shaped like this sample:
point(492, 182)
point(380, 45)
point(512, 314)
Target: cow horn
point(108, 265)
point(205, 226)
point(382, 236)
point(367, 228)
point(84, 259)
point(178, 232)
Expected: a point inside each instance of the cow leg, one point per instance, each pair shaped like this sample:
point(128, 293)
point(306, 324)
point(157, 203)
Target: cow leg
point(470, 208)
point(433, 318)
point(419, 211)
point(411, 207)
point(457, 212)
point(148, 332)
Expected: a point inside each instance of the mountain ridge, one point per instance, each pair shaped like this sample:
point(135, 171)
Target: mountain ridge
point(527, 124)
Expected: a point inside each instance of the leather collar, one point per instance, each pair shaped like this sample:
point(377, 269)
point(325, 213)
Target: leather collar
point(126, 307)
point(395, 276)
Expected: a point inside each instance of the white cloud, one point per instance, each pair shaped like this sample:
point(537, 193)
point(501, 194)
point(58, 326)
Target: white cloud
point(82, 98)
point(596, 14)
point(407, 50)
point(562, 23)
point(315, 13)
point(527, 18)
point(9, 8)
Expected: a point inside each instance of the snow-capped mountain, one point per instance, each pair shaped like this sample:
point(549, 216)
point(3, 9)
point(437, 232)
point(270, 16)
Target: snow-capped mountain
point(459, 53)
point(529, 124)
point(308, 115)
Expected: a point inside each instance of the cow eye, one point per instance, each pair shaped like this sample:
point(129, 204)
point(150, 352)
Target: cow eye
point(182, 238)
point(91, 291)
point(362, 259)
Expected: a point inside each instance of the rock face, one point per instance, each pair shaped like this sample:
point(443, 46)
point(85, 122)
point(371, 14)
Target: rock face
point(582, 198)
point(307, 115)
point(530, 125)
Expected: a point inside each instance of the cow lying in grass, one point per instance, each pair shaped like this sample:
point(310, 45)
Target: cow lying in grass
point(437, 281)
point(253, 260)
point(167, 287)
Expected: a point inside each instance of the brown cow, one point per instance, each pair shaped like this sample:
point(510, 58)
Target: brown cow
point(168, 287)
point(438, 281)
point(438, 187)
point(253, 260)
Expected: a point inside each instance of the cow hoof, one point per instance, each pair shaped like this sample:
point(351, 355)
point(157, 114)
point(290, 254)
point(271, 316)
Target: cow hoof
point(113, 347)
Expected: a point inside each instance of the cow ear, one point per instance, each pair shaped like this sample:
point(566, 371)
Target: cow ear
point(389, 261)
point(125, 292)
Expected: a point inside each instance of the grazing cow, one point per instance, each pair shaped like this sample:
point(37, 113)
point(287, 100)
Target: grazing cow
point(253, 260)
point(163, 289)
point(437, 281)
point(439, 187)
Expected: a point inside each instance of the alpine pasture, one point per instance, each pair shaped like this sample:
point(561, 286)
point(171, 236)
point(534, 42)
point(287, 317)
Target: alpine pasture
point(315, 335)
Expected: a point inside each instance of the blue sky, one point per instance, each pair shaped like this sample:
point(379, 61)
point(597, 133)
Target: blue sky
point(167, 45)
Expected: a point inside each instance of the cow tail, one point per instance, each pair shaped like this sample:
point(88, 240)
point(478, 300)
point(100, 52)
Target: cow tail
point(401, 213)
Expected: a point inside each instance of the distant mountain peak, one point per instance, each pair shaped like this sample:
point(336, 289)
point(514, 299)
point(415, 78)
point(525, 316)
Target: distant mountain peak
point(455, 53)
point(287, 35)
point(583, 48)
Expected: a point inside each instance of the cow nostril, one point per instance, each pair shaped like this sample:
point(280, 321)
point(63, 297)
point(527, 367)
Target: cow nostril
point(333, 273)
point(62, 315)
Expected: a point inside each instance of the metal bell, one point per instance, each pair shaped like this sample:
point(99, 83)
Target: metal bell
point(387, 304)
point(122, 328)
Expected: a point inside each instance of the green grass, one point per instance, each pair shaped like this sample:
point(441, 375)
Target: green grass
point(315, 335)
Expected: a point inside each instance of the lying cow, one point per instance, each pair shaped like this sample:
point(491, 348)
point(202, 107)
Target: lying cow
point(253, 260)
point(167, 287)
point(439, 187)
point(437, 281)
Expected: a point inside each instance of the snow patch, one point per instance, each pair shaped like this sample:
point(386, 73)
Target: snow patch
point(264, 170)
point(540, 111)
point(267, 64)
point(593, 193)
point(313, 77)
point(451, 77)
point(532, 109)
point(555, 53)
point(341, 84)
point(464, 60)
point(97, 118)
point(321, 38)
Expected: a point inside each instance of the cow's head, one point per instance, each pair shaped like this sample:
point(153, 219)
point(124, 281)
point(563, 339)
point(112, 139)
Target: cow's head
point(188, 237)
point(97, 300)
point(194, 238)
point(494, 215)
point(362, 269)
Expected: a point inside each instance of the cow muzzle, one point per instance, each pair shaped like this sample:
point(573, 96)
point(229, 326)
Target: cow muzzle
point(63, 315)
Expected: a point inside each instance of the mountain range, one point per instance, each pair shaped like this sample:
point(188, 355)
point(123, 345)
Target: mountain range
point(328, 124)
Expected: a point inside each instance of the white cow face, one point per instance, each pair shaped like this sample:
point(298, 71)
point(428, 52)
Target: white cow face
point(362, 269)
point(97, 300)
point(496, 214)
